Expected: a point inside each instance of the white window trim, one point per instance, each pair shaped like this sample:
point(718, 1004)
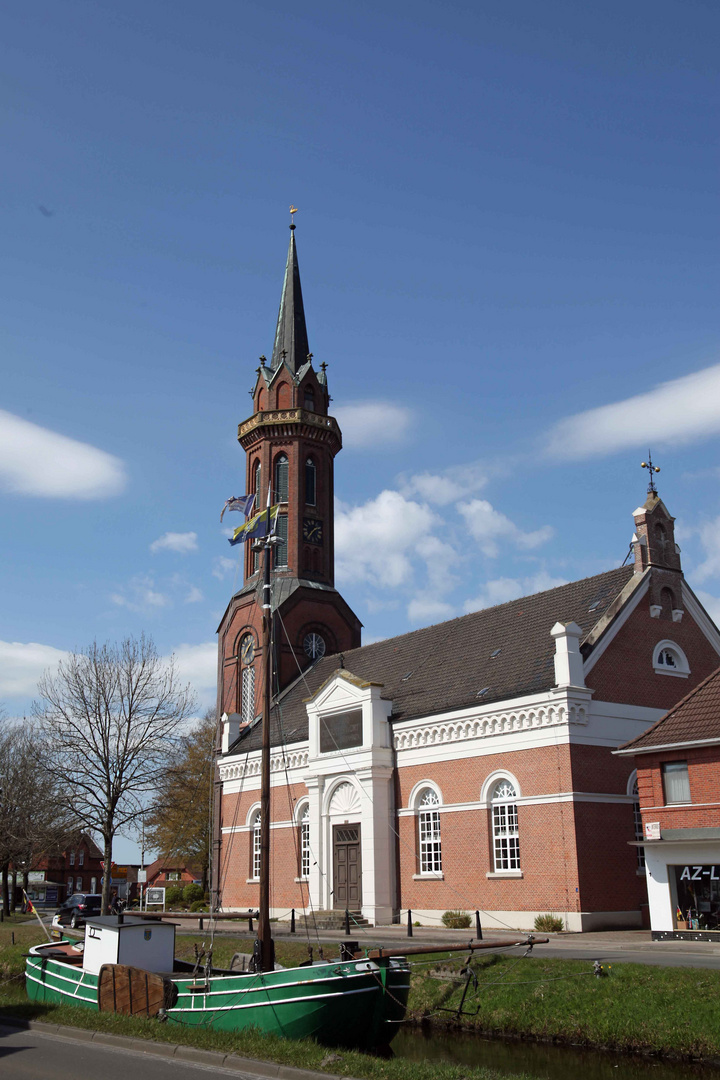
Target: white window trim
point(509, 871)
point(682, 668)
point(491, 874)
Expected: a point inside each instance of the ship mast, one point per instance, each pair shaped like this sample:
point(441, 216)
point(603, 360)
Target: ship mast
point(267, 947)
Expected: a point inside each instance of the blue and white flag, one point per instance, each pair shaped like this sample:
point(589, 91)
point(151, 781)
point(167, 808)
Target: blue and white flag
point(239, 502)
point(257, 527)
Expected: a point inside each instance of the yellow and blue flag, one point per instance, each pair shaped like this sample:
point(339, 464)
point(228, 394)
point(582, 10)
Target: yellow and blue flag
point(257, 527)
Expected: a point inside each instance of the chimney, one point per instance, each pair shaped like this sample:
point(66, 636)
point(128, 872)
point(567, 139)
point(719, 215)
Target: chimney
point(568, 658)
point(231, 724)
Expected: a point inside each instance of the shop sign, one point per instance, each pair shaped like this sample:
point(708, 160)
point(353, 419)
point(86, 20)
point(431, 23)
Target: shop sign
point(35, 876)
point(652, 830)
point(697, 873)
point(142, 877)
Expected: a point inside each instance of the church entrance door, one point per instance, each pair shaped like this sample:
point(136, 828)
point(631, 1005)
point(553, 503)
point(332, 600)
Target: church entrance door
point(347, 892)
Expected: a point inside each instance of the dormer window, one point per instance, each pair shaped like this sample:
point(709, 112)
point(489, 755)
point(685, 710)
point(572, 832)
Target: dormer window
point(669, 659)
point(309, 399)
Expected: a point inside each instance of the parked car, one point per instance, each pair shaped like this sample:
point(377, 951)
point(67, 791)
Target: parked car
point(76, 909)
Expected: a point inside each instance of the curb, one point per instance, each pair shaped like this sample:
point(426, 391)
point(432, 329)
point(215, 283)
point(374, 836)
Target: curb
point(249, 1066)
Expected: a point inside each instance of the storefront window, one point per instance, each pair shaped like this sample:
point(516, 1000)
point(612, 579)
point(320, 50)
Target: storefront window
point(698, 897)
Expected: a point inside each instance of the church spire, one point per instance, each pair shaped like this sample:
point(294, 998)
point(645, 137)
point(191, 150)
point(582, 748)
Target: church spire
point(291, 332)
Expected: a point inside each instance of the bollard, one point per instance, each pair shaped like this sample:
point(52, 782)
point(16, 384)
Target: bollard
point(250, 925)
point(347, 923)
point(478, 927)
point(292, 921)
point(200, 924)
point(410, 928)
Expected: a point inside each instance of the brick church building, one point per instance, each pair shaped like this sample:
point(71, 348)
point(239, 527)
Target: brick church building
point(467, 765)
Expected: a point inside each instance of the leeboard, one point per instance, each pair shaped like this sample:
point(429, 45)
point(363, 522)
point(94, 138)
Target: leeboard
point(133, 991)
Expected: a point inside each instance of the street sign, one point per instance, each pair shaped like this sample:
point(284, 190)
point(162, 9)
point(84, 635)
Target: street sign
point(142, 877)
point(155, 896)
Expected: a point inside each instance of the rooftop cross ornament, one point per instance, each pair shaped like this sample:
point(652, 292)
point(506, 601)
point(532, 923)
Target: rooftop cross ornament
point(293, 212)
point(652, 490)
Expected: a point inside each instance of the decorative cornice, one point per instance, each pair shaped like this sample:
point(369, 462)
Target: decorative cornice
point(298, 759)
point(483, 727)
point(279, 423)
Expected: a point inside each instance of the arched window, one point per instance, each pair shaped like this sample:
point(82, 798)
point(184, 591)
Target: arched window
point(637, 821)
point(247, 709)
point(255, 848)
point(669, 659)
point(305, 842)
point(281, 549)
point(429, 844)
point(310, 482)
point(257, 488)
point(309, 399)
point(282, 476)
point(506, 837)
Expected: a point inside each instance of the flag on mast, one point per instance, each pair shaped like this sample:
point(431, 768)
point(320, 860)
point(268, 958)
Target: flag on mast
point(244, 503)
point(257, 527)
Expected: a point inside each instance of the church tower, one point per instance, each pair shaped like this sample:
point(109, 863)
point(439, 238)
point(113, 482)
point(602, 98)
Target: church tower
point(290, 441)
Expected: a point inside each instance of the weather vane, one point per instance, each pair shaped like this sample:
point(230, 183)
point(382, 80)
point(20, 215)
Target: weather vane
point(652, 490)
point(293, 212)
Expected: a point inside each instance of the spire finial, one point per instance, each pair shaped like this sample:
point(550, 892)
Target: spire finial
point(293, 212)
point(652, 490)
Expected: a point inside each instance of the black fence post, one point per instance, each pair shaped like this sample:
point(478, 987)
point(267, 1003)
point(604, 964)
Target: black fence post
point(347, 923)
point(410, 928)
point(292, 921)
point(478, 927)
point(250, 924)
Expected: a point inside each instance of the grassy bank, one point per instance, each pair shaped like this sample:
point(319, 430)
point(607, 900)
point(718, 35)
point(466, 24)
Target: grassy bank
point(631, 1007)
point(668, 1011)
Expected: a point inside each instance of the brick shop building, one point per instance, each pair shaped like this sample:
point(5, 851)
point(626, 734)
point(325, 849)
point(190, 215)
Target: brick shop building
point(678, 777)
point(467, 765)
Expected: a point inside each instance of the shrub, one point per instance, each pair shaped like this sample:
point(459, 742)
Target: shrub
point(456, 920)
point(193, 892)
point(173, 896)
point(549, 923)
point(198, 905)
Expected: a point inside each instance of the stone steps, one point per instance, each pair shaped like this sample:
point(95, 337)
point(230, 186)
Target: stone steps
point(331, 920)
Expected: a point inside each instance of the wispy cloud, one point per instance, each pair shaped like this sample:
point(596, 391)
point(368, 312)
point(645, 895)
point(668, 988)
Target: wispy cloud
point(446, 486)
point(194, 595)
point(681, 411)
point(489, 527)
point(22, 664)
point(37, 461)
point(222, 566)
point(141, 594)
point(373, 423)
point(197, 664)
point(182, 543)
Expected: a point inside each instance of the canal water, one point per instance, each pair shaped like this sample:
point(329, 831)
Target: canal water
point(540, 1060)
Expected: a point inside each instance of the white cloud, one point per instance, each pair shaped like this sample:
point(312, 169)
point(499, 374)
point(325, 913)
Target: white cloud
point(22, 664)
point(488, 526)
point(501, 590)
point(709, 534)
point(374, 542)
point(679, 411)
point(427, 609)
point(36, 461)
point(194, 595)
point(373, 423)
point(182, 543)
point(140, 594)
point(197, 664)
point(447, 486)
point(222, 566)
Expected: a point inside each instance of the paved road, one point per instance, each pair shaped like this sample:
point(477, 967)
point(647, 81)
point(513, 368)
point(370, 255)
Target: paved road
point(35, 1055)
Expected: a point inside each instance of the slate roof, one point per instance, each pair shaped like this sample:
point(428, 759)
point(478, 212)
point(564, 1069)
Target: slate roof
point(291, 331)
point(695, 718)
point(443, 667)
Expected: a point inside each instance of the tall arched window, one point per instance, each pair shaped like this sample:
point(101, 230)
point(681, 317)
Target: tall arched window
point(255, 850)
point(429, 844)
point(257, 488)
point(248, 695)
point(506, 837)
point(309, 399)
point(310, 482)
point(282, 476)
point(305, 843)
point(281, 549)
point(637, 821)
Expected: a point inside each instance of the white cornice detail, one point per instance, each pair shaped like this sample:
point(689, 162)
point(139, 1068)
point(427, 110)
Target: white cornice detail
point(529, 800)
point(507, 721)
point(250, 766)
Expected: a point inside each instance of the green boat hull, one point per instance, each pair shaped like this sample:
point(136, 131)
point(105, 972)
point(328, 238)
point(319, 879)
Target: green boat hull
point(356, 1003)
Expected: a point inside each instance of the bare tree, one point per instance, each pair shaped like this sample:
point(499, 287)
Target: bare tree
point(32, 820)
point(114, 712)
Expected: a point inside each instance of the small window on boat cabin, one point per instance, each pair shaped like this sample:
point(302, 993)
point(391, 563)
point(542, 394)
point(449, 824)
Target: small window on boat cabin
point(341, 732)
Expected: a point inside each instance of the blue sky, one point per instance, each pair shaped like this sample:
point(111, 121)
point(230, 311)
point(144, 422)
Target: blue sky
point(507, 235)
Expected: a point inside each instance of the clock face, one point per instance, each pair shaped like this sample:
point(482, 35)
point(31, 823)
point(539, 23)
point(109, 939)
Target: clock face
point(314, 646)
point(312, 530)
point(247, 649)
